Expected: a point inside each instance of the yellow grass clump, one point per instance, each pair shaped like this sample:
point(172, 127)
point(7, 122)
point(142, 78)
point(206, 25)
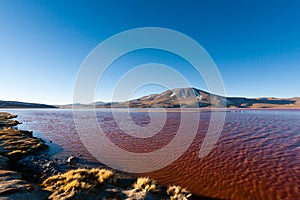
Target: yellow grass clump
point(178, 193)
point(5, 115)
point(15, 142)
point(75, 181)
point(145, 184)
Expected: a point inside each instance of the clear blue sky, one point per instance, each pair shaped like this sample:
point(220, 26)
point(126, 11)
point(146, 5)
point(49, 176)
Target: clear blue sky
point(255, 44)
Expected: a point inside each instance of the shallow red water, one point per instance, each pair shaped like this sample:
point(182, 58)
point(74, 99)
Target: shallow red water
point(256, 157)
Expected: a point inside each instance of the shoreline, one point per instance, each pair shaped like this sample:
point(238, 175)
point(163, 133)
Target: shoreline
point(151, 109)
point(23, 163)
point(15, 144)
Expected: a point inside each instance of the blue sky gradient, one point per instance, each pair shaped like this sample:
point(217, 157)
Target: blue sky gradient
point(255, 44)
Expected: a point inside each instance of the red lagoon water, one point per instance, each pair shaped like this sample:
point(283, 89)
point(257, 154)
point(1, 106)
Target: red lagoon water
point(256, 157)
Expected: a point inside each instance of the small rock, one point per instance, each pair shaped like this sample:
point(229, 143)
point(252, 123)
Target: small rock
point(47, 164)
point(72, 160)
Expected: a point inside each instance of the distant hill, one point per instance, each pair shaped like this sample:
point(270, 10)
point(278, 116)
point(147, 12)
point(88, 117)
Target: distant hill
point(80, 105)
point(175, 98)
point(192, 98)
point(17, 104)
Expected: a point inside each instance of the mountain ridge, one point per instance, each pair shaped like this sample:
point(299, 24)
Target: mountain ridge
point(175, 98)
point(194, 98)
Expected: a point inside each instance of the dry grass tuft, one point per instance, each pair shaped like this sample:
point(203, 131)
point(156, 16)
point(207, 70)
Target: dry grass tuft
point(6, 115)
point(145, 184)
point(178, 193)
point(16, 142)
point(5, 120)
point(74, 181)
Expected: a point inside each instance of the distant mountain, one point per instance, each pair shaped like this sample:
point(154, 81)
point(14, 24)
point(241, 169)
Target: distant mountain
point(193, 98)
point(17, 104)
point(80, 105)
point(176, 98)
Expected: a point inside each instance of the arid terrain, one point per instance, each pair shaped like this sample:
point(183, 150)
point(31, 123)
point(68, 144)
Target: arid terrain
point(193, 98)
point(175, 98)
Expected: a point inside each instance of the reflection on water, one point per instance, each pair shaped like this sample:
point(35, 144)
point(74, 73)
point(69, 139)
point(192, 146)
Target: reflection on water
point(256, 157)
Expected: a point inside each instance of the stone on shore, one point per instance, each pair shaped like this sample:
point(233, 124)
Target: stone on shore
point(13, 187)
point(72, 160)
